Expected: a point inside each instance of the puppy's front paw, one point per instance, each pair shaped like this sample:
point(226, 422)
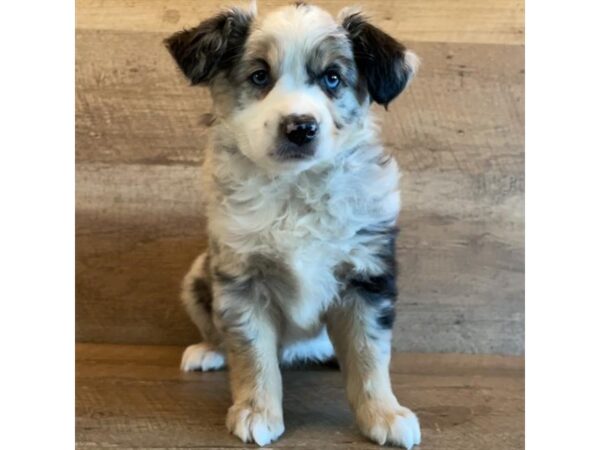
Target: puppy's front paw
point(202, 356)
point(389, 425)
point(254, 424)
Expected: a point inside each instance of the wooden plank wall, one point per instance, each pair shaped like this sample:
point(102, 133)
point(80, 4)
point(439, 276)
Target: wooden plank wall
point(458, 134)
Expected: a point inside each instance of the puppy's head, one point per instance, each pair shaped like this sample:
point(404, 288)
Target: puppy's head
point(293, 87)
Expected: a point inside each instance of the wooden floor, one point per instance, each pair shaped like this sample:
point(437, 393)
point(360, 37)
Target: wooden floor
point(135, 396)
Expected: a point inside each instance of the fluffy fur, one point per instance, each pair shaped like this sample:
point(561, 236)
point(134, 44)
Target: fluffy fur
point(301, 262)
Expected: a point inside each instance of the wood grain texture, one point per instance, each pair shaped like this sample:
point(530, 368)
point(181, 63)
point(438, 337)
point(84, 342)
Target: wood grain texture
point(457, 133)
point(135, 397)
point(471, 21)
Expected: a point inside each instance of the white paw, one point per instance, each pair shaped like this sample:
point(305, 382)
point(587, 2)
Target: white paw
point(253, 424)
point(203, 357)
point(397, 426)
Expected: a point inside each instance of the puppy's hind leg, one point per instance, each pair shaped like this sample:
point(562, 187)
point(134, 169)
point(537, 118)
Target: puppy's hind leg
point(196, 296)
point(202, 356)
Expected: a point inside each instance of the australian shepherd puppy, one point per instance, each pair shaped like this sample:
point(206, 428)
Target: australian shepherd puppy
point(302, 202)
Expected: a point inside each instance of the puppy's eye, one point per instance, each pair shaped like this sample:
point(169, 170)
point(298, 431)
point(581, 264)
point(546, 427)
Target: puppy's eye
point(260, 78)
point(331, 79)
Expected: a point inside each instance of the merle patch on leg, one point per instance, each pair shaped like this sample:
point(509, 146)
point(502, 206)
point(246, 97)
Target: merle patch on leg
point(379, 291)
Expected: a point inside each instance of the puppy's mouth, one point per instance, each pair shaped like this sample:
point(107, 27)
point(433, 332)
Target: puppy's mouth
point(288, 152)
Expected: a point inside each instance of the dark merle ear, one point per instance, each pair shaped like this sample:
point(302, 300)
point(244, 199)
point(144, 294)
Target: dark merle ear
point(384, 62)
point(212, 46)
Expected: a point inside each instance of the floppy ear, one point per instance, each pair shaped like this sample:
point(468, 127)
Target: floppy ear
point(385, 63)
point(212, 46)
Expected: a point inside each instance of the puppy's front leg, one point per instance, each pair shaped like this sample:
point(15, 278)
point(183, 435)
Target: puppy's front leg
point(251, 342)
point(360, 329)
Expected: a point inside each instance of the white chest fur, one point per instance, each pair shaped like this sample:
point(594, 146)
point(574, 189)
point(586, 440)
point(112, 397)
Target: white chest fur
point(310, 220)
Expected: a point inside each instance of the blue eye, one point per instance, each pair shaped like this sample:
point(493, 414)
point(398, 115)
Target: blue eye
point(331, 79)
point(260, 78)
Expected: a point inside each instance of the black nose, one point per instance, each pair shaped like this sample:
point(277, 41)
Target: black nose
point(300, 129)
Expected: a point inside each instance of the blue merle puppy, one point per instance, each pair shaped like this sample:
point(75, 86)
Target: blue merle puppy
point(302, 202)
